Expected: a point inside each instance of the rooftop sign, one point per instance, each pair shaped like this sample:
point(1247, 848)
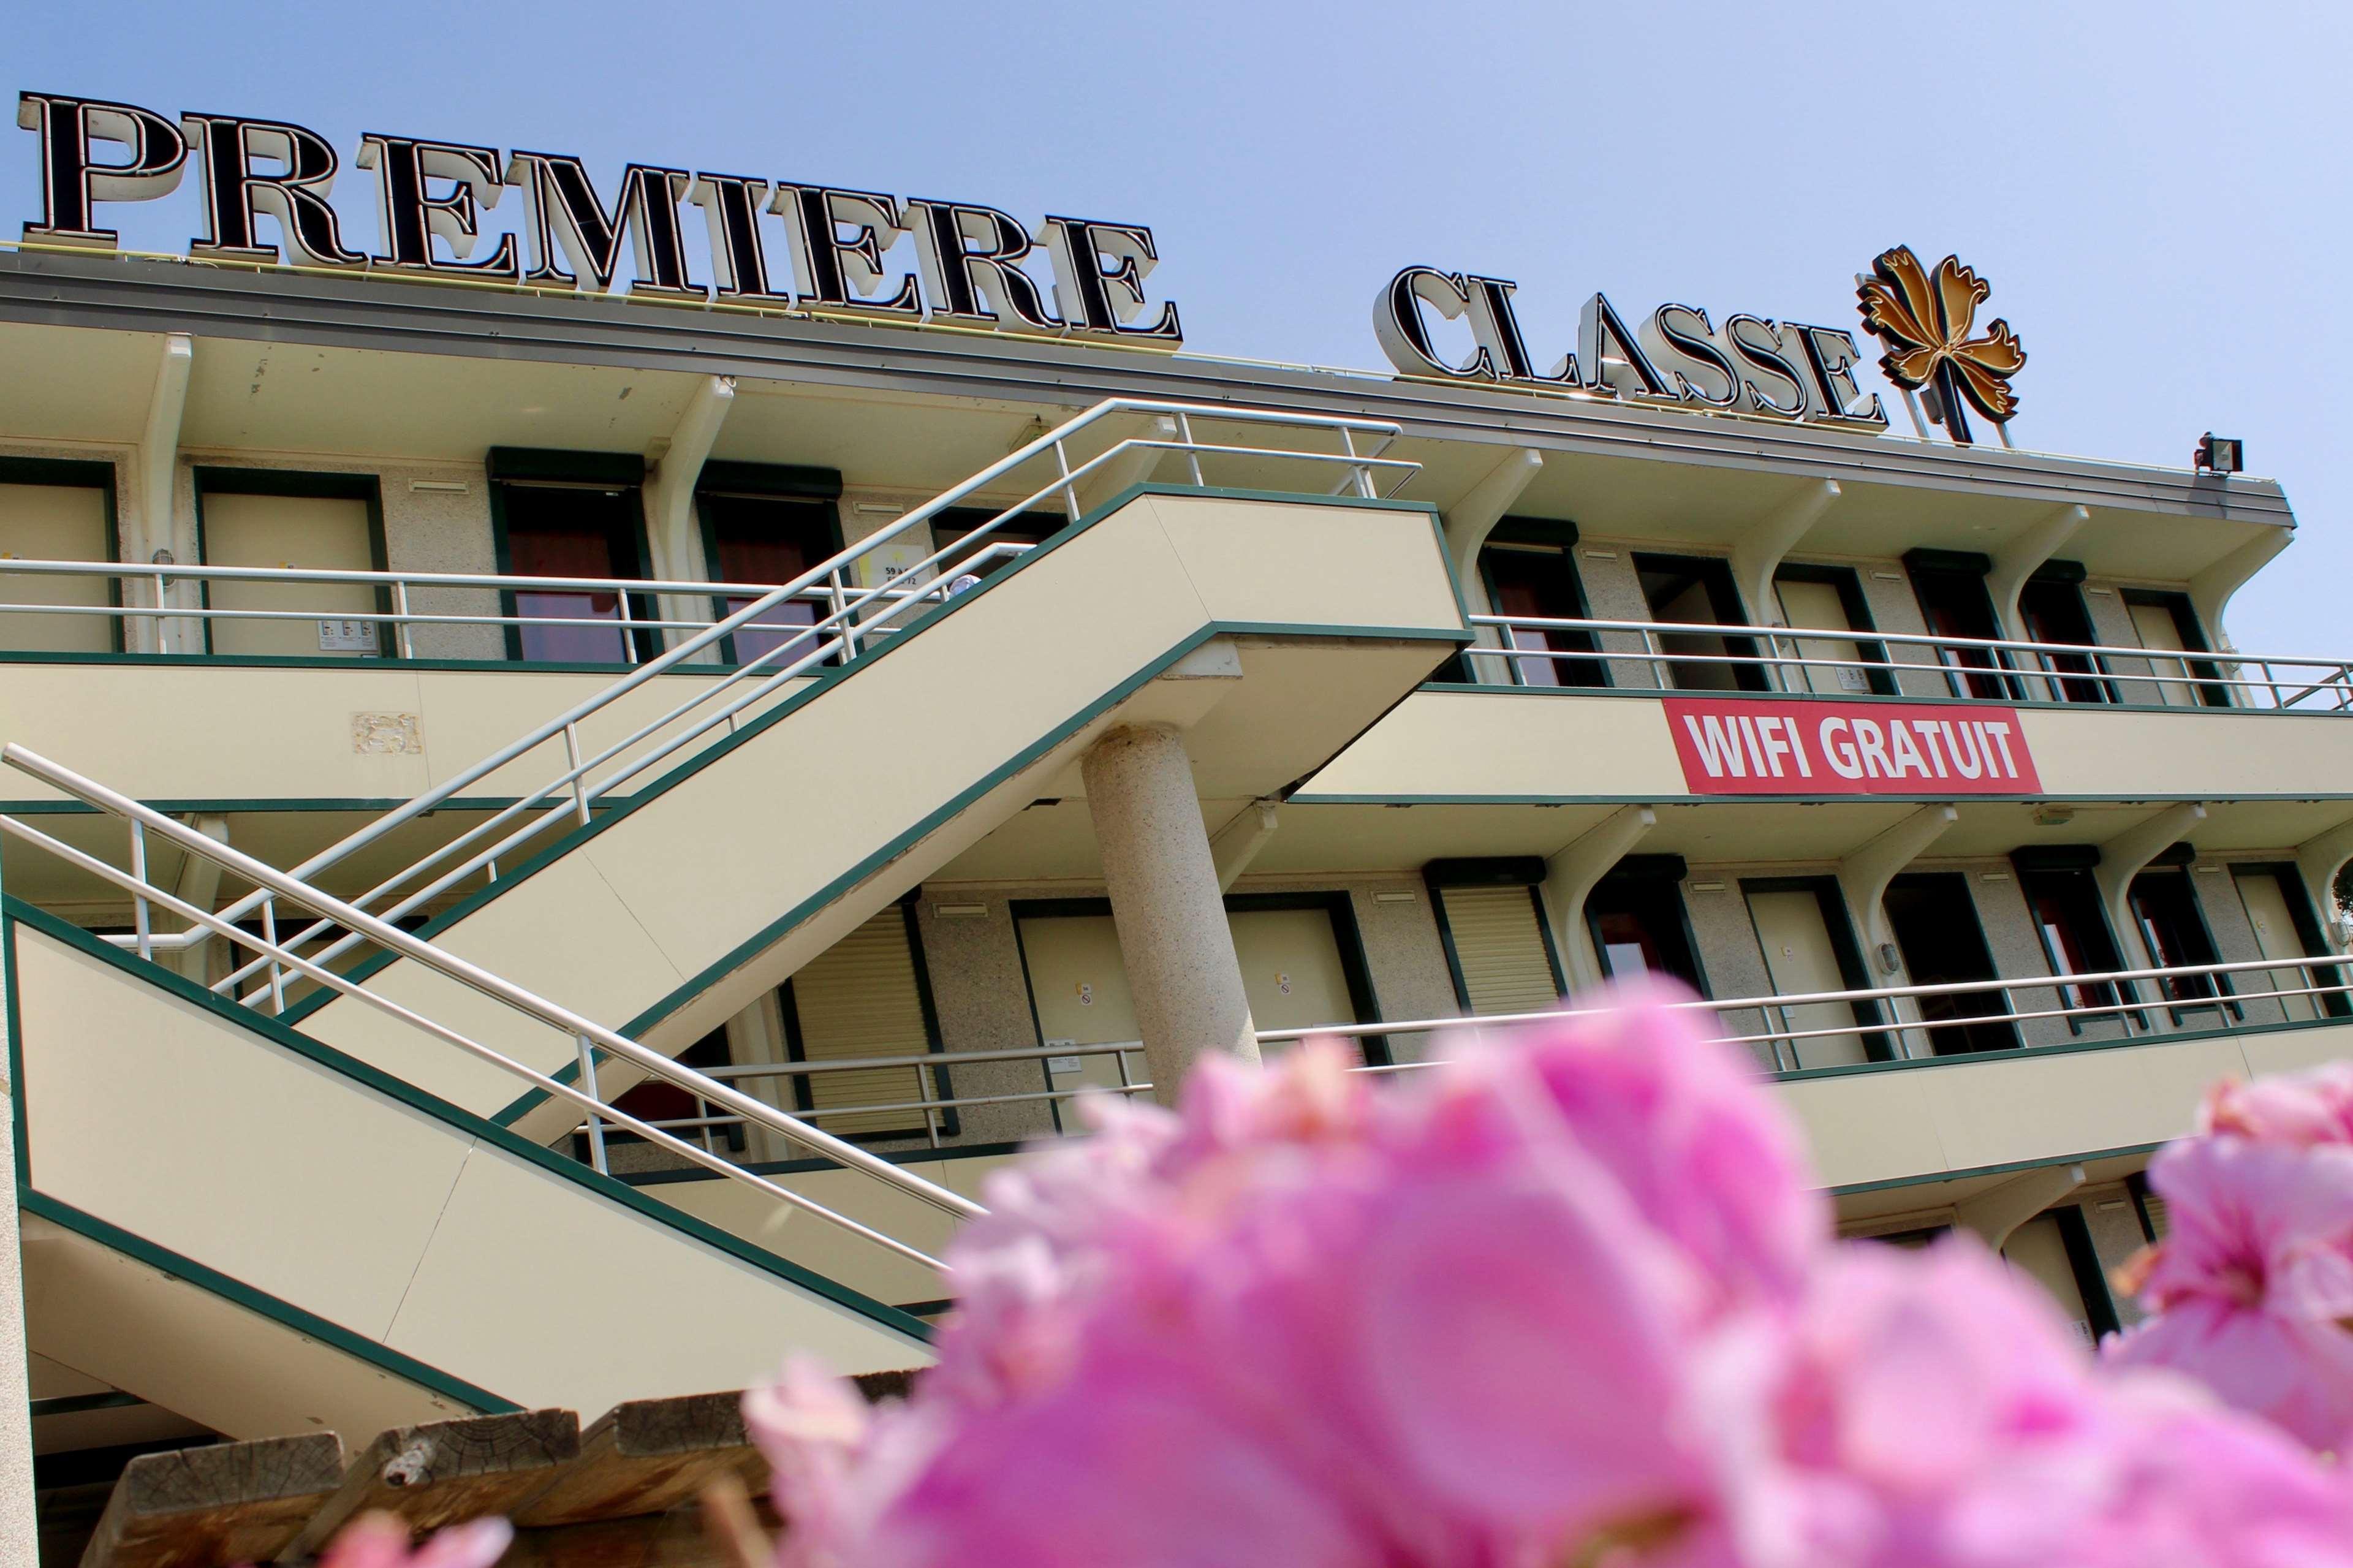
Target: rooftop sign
point(1747, 363)
point(432, 196)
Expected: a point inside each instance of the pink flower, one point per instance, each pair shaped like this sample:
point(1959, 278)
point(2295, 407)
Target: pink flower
point(1485, 1320)
point(1563, 1303)
point(2252, 1291)
point(2304, 1110)
point(381, 1541)
point(1935, 1414)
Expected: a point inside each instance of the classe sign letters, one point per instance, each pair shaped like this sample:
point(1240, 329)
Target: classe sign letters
point(1734, 746)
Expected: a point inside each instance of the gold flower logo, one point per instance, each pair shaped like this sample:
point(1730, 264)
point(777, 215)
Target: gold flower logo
point(1926, 323)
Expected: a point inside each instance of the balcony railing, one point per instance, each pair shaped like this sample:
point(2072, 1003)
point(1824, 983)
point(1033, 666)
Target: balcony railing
point(649, 614)
point(1899, 1015)
point(1688, 656)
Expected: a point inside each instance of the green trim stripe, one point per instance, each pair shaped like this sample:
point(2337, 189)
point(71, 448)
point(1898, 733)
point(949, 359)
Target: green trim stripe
point(14, 913)
point(2043, 1162)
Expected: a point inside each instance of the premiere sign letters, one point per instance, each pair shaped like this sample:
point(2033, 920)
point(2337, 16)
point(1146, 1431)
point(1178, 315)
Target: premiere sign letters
point(430, 197)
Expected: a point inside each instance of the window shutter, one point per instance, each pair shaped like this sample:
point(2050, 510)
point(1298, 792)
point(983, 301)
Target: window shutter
point(1501, 950)
point(2159, 1221)
point(858, 998)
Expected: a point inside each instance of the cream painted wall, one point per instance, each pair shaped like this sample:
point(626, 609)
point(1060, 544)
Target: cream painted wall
point(391, 1222)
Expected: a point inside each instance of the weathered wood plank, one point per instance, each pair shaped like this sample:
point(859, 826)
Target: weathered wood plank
point(227, 1502)
point(647, 1457)
point(447, 1472)
point(677, 1539)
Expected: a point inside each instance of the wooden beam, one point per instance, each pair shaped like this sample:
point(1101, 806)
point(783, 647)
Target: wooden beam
point(674, 1540)
point(647, 1457)
point(447, 1472)
point(228, 1502)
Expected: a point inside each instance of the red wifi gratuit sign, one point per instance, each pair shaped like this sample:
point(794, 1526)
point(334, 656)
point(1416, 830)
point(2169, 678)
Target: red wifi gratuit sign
point(1802, 747)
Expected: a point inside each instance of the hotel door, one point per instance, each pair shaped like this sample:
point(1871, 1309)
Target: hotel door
point(1816, 606)
point(56, 522)
point(2276, 936)
point(1292, 967)
point(2158, 623)
point(1800, 957)
point(1078, 991)
point(1292, 970)
point(325, 532)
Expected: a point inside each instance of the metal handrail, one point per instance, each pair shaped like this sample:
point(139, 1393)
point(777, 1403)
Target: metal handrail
point(591, 1035)
point(2194, 667)
point(2122, 1009)
point(2001, 987)
point(859, 615)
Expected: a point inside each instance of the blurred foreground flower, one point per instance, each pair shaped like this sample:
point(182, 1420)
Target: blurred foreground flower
point(1564, 1303)
point(2251, 1291)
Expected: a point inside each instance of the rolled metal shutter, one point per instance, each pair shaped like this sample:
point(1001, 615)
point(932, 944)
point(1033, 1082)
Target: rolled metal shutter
point(860, 998)
point(1500, 949)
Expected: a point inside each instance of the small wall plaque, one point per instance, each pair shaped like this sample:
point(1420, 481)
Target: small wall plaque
point(386, 735)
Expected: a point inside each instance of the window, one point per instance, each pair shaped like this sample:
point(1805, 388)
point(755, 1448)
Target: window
point(581, 532)
point(58, 511)
point(1491, 920)
point(657, 1100)
point(2066, 903)
point(1528, 569)
point(1950, 586)
point(867, 996)
point(1937, 929)
point(1537, 580)
point(767, 541)
point(1636, 917)
point(2052, 610)
point(2166, 912)
point(1698, 591)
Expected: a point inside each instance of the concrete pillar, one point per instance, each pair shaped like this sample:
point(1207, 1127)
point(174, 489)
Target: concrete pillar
point(17, 1526)
point(1172, 936)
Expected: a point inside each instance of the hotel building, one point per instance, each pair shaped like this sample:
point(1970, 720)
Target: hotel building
point(556, 837)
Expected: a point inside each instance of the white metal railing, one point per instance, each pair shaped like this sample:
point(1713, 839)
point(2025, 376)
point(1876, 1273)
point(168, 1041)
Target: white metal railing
point(854, 621)
point(2000, 670)
point(590, 1040)
point(392, 626)
point(2104, 995)
point(1908, 1025)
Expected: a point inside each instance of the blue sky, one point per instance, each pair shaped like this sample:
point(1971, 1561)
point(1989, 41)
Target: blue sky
point(2158, 194)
